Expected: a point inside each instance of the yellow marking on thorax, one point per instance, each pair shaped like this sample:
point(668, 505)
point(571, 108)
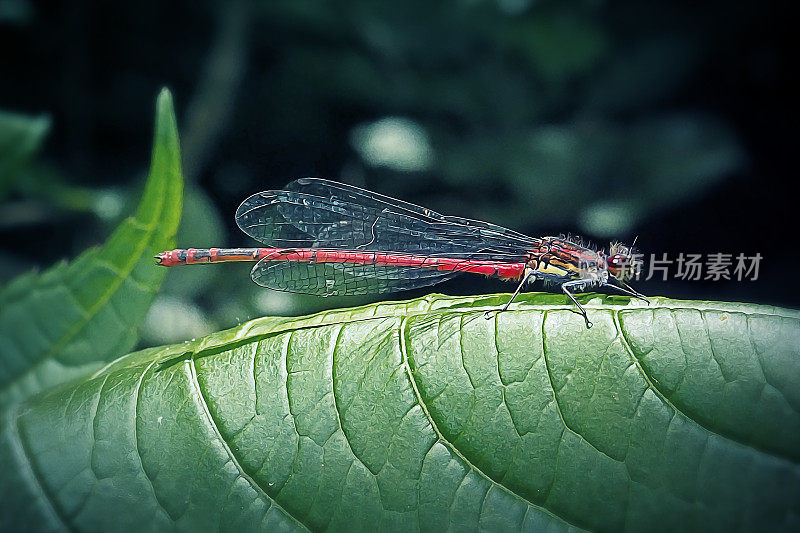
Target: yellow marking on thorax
point(546, 268)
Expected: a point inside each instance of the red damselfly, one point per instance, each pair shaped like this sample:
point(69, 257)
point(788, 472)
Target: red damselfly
point(327, 238)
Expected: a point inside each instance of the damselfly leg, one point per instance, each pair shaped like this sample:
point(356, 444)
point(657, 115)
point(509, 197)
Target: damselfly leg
point(578, 284)
point(626, 289)
point(488, 314)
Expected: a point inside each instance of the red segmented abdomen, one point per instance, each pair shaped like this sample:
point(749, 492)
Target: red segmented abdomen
point(191, 256)
point(216, 255)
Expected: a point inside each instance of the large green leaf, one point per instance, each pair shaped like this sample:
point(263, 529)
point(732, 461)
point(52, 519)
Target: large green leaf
point(75, 317)
point(422, 414)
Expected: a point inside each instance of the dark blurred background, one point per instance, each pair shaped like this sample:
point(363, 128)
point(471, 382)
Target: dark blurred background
point(672, 121)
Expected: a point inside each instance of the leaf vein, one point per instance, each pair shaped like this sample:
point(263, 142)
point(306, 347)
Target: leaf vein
point(663, 396)
point(558, 404)
point(450, 446)
point(195, 384)
point(336, 408)
point(136, 402)
point(24, 459)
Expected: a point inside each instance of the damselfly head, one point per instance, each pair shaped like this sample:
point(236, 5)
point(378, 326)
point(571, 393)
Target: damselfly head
point(623, 262)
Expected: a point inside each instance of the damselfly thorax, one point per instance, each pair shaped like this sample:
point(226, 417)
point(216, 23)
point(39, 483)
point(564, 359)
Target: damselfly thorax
point(327, 238)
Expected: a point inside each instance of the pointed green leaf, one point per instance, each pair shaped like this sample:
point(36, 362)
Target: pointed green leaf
point(20, 138)
point(75, 317)
point(424, 415)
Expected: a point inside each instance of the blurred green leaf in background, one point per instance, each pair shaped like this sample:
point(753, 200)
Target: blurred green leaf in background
point(75, 317)
point(20, 138)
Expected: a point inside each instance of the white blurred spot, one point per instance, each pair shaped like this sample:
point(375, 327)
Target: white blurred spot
point(172, 319)
point(273, 302)
point(394, 142)
point(108, 204)
point(609, 219)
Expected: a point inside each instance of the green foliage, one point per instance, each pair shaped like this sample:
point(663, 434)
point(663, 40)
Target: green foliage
point(75, 317)
point(422, 414)
point(20, 138)
point(559, 106)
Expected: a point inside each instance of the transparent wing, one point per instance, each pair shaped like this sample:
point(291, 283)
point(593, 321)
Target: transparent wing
point(339, 279)
point(349, 193)
point(314, 213)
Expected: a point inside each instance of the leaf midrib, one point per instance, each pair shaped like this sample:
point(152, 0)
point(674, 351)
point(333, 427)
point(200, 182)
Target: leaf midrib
point(120, 278)
point(210, 344)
